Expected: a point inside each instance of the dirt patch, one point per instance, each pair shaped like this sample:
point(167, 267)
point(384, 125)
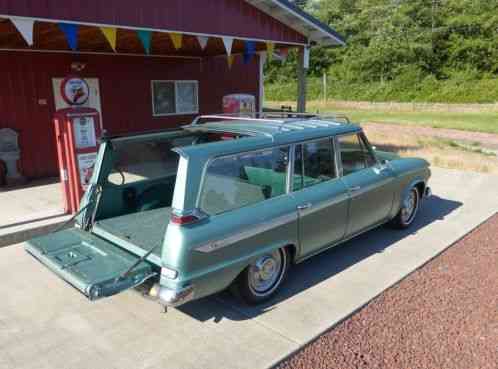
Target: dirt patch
point(445, 315)
point(444, 148)
point(486, 140)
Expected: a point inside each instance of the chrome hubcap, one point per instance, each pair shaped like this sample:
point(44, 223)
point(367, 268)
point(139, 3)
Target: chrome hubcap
point(409, 207)
point(265, 272)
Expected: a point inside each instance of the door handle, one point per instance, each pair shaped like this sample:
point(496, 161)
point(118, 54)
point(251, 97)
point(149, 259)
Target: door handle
point(382, 168)
point(304, 206)
point(355, 189)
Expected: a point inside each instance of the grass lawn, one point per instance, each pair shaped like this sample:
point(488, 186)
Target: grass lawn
point(477, 122)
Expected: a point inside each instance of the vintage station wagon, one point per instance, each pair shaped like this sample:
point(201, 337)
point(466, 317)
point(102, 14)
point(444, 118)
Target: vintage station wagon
point(227, 202)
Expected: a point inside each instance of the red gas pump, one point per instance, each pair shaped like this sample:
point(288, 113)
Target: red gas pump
point(78, 133)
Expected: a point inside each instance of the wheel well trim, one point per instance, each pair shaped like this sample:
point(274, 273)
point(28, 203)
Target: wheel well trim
point(417, 183)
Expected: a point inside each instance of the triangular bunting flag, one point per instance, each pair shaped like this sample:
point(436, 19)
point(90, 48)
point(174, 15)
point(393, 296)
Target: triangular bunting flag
point(282, 54)
point(249, 51)
point(270, 47)
point(230, 60)
point(228, 42)
point(110, 35)
point(176, 38)
point(145, 37)
point(71, 32)
point(25, 28)
point(203, 40)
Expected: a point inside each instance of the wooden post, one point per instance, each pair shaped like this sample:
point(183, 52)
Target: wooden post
point(262, 61)
point(301, 83)
point(325, 87)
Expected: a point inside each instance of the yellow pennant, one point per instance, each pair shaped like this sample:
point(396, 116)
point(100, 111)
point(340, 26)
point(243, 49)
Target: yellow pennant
point(270, 47)
point(230, 59)
point(110, 35)
point(177, 39)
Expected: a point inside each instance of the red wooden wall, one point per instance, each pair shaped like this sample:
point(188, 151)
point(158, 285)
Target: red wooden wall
point(125, 94)
point(223, 17)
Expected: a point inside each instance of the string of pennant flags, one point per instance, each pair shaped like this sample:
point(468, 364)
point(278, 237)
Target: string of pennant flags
point(25, 27)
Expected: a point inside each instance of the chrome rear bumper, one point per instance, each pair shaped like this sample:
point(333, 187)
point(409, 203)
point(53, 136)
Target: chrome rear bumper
point(169, 297)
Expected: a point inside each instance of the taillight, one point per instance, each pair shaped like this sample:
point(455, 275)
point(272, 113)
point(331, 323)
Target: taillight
point(183, 219)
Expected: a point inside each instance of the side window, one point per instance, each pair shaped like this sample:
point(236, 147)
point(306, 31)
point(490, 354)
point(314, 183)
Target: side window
point(245, 179)
point(355, 155)
point(175, 98)
point(314, 163)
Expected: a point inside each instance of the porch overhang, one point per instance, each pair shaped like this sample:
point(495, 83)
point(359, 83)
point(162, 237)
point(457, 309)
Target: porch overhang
point(47, 36)
point(276, 21)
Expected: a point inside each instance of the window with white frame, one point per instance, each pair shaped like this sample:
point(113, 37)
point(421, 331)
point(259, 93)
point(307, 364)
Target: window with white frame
point(175, 97)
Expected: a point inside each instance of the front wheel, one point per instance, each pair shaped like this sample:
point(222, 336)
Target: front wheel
point(262, 278)
point(408, 211)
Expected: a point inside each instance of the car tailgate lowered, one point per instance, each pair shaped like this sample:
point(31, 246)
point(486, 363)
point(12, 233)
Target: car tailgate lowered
point(93, 266)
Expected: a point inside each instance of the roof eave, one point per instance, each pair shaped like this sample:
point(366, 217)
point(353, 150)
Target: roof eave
point(315, 30)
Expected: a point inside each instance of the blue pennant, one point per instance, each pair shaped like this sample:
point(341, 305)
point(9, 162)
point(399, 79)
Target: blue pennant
point(145, 38)
point(71, 32)
point(249, 51)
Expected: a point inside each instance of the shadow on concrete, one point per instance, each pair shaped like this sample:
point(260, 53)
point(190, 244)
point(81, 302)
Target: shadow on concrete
point(323, 266)
point(33, 220)
point(30, 184)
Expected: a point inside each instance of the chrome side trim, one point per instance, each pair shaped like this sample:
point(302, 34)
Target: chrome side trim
point(326, 203)
point(368, 188)
point(249, 232)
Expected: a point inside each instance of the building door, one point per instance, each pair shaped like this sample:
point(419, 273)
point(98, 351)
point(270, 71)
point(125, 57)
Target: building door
point(93, 101)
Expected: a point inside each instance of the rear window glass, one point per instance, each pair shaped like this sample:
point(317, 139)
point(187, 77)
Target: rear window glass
point(146, 160)
point(244, 179)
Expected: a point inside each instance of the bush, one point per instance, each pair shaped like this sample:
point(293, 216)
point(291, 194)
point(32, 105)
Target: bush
point(410, 86)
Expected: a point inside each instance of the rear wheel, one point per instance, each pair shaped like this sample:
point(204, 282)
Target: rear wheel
point(408, 211)
point(261, 280)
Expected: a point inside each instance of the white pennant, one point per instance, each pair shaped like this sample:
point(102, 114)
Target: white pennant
point(25, 28)
point(228, 42)
point(203, 40)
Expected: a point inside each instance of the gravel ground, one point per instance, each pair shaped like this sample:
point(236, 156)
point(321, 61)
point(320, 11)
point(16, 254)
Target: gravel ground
point(444, 315)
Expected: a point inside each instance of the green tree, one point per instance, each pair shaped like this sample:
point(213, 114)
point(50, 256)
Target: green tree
point(389, 38)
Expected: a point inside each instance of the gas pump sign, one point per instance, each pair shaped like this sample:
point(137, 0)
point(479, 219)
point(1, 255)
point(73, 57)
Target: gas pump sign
point(84, 132)
point(75, 91)
point(86, 162)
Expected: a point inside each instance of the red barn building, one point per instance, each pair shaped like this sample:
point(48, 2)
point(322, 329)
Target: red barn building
point(147, 62)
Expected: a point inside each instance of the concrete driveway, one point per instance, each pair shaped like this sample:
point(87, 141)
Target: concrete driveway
point(44, 323)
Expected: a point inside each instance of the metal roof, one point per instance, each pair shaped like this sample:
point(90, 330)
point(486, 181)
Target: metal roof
point(261, 135)
point(294, 17)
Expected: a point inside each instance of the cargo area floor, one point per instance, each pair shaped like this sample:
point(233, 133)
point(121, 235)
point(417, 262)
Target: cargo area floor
point(140, 231)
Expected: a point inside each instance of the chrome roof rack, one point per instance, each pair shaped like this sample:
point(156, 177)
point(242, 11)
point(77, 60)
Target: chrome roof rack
point(279, 117)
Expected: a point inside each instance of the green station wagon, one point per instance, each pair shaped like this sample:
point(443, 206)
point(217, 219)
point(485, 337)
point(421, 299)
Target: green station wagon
point(227, 202)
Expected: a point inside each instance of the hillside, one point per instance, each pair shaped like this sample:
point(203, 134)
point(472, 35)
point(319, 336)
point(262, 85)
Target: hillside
point(401, 50)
